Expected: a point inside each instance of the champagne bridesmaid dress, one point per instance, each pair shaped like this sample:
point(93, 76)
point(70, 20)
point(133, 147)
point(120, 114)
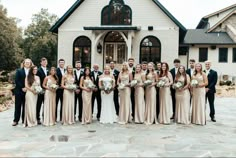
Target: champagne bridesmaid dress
point(182, 113)
point(87, 104)
point(198, 103)
point(49, 105)
point(165, 102)
point(125, 102)
point(68, 103)
point(139, 100)
point(30, 106)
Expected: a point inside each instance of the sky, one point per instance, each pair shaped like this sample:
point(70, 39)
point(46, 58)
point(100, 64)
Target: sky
point(188, 12)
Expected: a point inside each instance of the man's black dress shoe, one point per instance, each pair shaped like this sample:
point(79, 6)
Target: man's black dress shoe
point(213, 119)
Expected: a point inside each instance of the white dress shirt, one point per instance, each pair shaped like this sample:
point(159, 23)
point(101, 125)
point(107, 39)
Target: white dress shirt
point(62, 71)
point(44, 70)
point(207, 72)
point(26, 71)
point(78, 73)
point(176, 70)
point(95, 75)
point(192, 71)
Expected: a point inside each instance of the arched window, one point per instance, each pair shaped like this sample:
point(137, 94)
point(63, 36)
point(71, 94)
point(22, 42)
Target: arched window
point(82, 51)
point(150, 49)
point(116, 13)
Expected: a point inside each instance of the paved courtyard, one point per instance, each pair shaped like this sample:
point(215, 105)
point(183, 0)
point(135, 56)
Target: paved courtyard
point(132, 140)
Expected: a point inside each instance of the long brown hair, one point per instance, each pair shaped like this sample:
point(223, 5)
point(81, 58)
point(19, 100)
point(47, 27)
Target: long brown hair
point(30, 77)
point(164, 73)
point(55, 75)
point(179, 74)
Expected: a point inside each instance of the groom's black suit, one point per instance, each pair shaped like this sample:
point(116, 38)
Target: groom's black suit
point(116, 92)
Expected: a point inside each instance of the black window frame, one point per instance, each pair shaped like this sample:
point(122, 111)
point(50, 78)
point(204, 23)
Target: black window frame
point(203, 54)
point(234, 55)
point(223, 51)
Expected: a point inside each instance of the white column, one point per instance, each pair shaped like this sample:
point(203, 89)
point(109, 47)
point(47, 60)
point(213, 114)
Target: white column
point(129, 44)
point(94, 48)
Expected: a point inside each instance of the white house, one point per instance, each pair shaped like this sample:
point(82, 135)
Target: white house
point(99, 31)
point(215, 39)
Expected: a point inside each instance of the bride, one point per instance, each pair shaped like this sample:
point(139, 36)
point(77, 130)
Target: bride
point(107, 84)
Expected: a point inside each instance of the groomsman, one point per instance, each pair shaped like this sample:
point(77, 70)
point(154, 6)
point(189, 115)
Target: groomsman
point(78, 93)
point(96, 94)
point(132, 70)
point(144, 67)
point(191, 70)
point(116, 92)
point(59, 93)
point(173, 73)
point(210, 88)
point(42, 73)
point(158, 68)
point(157, 91)
point(20, 91)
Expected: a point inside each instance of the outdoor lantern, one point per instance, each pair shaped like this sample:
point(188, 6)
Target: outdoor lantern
point(99, 48)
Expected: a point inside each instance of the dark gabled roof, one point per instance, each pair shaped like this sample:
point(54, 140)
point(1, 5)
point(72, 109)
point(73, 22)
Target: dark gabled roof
point(135, 28)
point(200, 36)
point(55, 27)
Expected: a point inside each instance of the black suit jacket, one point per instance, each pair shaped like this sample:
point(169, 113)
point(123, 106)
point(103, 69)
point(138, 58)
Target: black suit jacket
point(212, 80)
point(59, 75)
point(172, 71)
point(78, 78)
point(96, 80)
point(188, 71)
point(116, 74)
point(41, 75)
point(20, 81)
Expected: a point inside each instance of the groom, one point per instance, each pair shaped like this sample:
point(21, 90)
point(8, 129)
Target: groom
point(210, 88)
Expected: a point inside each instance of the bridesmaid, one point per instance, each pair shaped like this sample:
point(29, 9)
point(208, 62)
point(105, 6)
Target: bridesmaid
point(150, 96)
point(50, 98)
point(165, 95)
point(198, 96)
point(68, 97)
point(31, 97)
point(87, 96)
point(125, 103)
point(182, 97)
point(139, 95)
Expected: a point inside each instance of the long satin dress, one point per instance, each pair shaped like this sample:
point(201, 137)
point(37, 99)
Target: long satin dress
point(125, 102)
point(68, 103)
point(150, 96)
point(165, 102)
point(198, 103)
point(182, 113)
point(30, 119)
point(49, 109)
point(87, 104)
point(139, 100)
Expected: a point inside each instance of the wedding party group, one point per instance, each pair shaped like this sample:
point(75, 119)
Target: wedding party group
point(146, 93)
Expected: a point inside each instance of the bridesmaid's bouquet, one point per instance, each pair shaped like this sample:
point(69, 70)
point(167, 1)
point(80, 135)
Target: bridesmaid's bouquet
point(91, 85)
point(121, 86)
point(133, 83)
point(147, 83)
point(194, 83)
point(107, 84)
point(178, 85)
point(38, 89)
point(54, 86)
point(71, 87)
point(161, 83)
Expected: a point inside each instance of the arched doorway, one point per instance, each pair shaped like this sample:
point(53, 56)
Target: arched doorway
point(115, 48)
point(82, 51)
point(150, 49)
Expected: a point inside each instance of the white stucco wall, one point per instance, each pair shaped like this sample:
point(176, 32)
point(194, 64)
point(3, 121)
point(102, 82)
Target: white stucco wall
point(213, 55)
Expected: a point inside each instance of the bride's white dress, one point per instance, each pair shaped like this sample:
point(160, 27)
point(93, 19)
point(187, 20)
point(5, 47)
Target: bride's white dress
point(108, 112)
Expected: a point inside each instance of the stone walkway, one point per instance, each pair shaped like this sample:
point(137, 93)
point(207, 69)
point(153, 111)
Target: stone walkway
point(133, 140)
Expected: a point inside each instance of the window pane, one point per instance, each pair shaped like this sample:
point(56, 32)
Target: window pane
point(223, 54)
point(203, 54)
point(234, 55)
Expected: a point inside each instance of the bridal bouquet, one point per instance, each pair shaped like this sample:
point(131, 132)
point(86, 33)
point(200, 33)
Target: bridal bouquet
point(107, 84)
point(178, 85)
point(133, 83)
point(71, 86)
point(54, 86)
point(121, 86)
point(38, 89)
point(161, 83)
point(147, 83)
point(194, 83)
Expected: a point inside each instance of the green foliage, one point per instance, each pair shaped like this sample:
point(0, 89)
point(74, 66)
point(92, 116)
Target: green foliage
point(10, 38)
point(39, 42)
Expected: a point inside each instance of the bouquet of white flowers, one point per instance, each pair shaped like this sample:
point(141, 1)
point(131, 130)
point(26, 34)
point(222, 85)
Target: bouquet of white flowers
point(121, 86)
point(107, 84)
point(71, 86)
point(90, 85)
point(38, 89)
point(194, 83)
point(54, 86)
point(178, 85)
point(161, 83)
point(147, 83)
point(133, 83)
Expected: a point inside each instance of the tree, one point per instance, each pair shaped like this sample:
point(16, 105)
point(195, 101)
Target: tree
point(10, 37)
point(38, 41)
